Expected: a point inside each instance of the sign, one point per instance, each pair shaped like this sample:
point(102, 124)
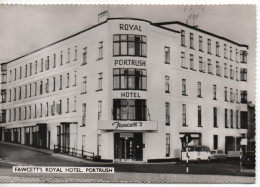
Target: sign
point(130, 94)
point(130, 27)
point(127, 125)
point(130, 62)
point(243, 141)
point(187, 138)
point(126, 135)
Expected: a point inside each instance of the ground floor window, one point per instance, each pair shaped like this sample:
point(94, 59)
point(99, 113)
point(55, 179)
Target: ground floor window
point(167, 145)
point(215, 141)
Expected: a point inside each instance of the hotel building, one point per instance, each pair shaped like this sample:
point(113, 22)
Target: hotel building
point(128, 90)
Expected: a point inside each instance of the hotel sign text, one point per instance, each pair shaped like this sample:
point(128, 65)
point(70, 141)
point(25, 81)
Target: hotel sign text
point(130, 62)
point(130, 27)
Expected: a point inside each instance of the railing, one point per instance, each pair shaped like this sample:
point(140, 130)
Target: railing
point(74, 152)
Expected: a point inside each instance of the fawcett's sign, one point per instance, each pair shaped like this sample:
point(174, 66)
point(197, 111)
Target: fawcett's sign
point(127, 125)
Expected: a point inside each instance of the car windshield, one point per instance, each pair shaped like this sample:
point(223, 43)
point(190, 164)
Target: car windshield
point(213, 152)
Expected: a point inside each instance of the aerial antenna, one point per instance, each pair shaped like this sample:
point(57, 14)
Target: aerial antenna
point(194, 12)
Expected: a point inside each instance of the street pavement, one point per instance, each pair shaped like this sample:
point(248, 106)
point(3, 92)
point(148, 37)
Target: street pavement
point(13, 155)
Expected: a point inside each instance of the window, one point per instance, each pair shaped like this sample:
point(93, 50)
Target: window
point(231, 72)
point(20, 93)
point(225, 50)
point(84, 85)
point(10, 95)
point(47, 63)
point(20, 74)
point(209, 46)
point(200, 43)
point(231, 119)
point(68, 55)
point(237, 56)
point(14, 94)
point(30, 112)
point(3, 117)
point(84, 56)
point(75, 53)
point(225, 93)
point(53, 108)
point(199, 89)
point(210, 67)
point(100, 77)
point(25, 91)
point(217, 48)
point(75, 104)
point(243, 95)
point(75, 78)
point(183, 38)
point(60, 82)
point(54, 86)
point(237, 122)
point(59, 107)
point(40, 110)
point(167, 145)
point(68, 80)
point(4, 73)
point(10, 77)
point(226, 118)
point(30, 69)
point(201, 65)
point(129, 79)
point(215, 92)
point(84, 114)
point(199, 116)
point(35, 88)
point(231, 95)
point(215, 117)
point(98, 145)
point(61, 58)
point(54, 60)
point(99, 109)
point(35, 68)
point(25, 113)
point(3, 96)
point(35, 111)
point(100, 50)
point(237, 95)
point(167, 84)
point(218, 69)
point(20, 114)
point(15, 114)
point(167, 113)
point(129, 45)
point(167, 55)
point(41, 87)
point(237, 78)
point(215, 142)
point(243, 74)
point(191, 41)
point(243, 56)
point(15, 74)
point(243, 120)
point(183, 61)
point(184, 115)
point(192, 62)
point(10, 115)
point(225, 70)
point(231, 54)
point(47, 86)
point(68, 105)
point(42, 65)
point(25, 71)
point(184, 87)
point(129, 109)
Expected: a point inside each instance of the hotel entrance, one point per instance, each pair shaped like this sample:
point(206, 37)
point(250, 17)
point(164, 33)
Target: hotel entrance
point(128, 146)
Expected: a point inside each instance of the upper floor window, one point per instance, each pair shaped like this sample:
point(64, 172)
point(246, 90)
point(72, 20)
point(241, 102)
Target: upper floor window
point(167, 84)
point(209, 46)
point(84, 85)
point(47, 86)
point(192, 62)
point(184, 87)
point(182, 37)
point(84, 56)
point(225, 50)
point(243, 74)
point(99, 109)
point(183, 61)
point(68, 80)
point(100, 78)
point(167, 113)
point(54, 60)
point(225, 94)
point(225, 70)
point(3, 73)
point(199, 89)
point(231, 53)
point(199, 116)
point(167, 55)
point(200, 43)
point(25, 71)
point(243, 56)
point(129, 79)
point(84, 114)
point(100, 50)
point(129, 45)
point(184, 123)
point(42, 65)
point(191, 41)
point(237, 55)
point(36, 64)
point(217, 48)
point(215, 92)
point(68, 55)
point(20, 73)
point(210, 66)
point(15, 74)
point(201, 65)
point(226, 118)
point(61, 58)
point(30, 69)
point(243, 96)
point(215, 116)
point(129, 109)
point(168, 147)
point(75, 53)
point(218, 69)
point(3, 96)
point(47, 63)
point(75, 78)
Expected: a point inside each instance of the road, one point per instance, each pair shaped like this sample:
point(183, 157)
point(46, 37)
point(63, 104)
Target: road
point(12, 155)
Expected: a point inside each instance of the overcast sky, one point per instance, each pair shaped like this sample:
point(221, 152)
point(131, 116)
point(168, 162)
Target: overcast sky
point(27, 28)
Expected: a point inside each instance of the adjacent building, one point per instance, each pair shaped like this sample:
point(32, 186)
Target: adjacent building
point(128, 90)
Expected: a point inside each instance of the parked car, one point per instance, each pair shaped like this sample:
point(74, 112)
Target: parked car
point(218, 155)
point(249, 160)
point(196, 153)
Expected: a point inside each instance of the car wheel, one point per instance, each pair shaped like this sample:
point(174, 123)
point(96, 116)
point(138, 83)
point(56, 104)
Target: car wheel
point(198, 161)
point(208, 160)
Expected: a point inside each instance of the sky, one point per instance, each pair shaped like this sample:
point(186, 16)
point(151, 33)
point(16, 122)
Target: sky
point(26, 28)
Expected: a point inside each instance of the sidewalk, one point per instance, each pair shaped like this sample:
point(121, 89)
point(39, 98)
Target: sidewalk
point(50, 152)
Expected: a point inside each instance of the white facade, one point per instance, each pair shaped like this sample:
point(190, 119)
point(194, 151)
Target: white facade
point(123, 117)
